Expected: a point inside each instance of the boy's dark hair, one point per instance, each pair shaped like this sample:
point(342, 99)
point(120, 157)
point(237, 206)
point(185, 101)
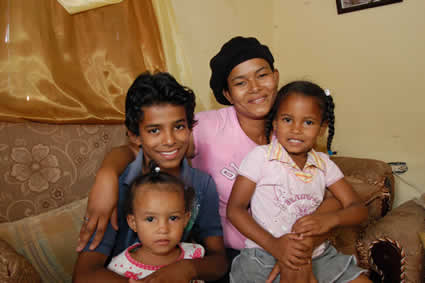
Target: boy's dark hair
point(305, 88)
point(155, 176)
point(156, 89)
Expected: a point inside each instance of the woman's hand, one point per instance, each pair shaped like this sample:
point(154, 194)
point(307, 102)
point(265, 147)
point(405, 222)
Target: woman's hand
point(315, 224)
point(293, 250)
point(101, 208)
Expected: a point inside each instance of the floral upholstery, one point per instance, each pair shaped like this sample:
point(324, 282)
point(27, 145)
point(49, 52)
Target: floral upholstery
point(45, 166)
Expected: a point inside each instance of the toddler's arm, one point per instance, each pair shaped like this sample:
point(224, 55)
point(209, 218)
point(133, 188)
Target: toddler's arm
point(286, 249)
point(103, 196)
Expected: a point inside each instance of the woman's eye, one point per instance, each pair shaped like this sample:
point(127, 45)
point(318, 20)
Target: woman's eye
point(309, 123)
point(149, 219)
point(286, 120)
point(240, 83)
point(174, 218)
point(153, 131)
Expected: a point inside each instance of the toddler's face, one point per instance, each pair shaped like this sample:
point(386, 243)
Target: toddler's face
point(159, 219)
point(298, 123)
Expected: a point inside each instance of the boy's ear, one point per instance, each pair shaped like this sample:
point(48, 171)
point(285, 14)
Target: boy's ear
point(323, 128)
point(131, 220)
point(228, 96)
point(134, 139)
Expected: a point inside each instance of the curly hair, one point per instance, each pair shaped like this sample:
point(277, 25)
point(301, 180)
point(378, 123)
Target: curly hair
point(310, 89)
point(156, 89)
point(157, 177)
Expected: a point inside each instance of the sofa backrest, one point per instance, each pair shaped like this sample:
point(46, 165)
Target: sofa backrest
point(45, 166)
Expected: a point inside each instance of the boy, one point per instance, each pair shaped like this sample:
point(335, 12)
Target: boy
point(159, 118)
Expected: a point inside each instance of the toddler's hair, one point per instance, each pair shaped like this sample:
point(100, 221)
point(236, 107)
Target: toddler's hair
point(157, 177)
point(310, 89)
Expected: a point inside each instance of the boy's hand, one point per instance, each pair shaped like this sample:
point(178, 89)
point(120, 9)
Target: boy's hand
point(101, 208)
point(315, 224)
point(293, 251)
point(178, 272)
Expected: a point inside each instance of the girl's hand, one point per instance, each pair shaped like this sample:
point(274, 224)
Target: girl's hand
point(101, 208)
point(315, 224)
point(293, 250)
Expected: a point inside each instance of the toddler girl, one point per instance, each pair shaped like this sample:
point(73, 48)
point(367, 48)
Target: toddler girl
point(283, 183)
point(158, 209)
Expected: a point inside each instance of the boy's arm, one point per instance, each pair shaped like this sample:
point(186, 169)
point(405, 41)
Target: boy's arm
point(211, 267)
point(90, 268)
point(103, 196)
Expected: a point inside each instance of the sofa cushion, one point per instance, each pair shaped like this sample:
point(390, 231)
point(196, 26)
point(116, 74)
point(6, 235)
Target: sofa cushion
point(48, 240)
point(14, 268)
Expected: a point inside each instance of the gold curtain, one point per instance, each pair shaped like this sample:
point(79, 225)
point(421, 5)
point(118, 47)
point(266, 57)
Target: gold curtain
point(61, 68)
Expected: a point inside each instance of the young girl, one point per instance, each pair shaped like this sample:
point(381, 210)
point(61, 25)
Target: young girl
point(158, 209)
point(284, 183)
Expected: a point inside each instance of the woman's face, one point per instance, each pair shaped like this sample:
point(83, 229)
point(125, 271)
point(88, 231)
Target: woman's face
point(252, 88)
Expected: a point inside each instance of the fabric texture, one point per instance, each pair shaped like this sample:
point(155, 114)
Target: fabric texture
point(125, 265)
point(66, 69)
point(220, 146)
point(48, 240)
point(204, 216)
point(73, 6)
point(283, 193)
point(15, 268)
point(254, 266)
point(46, 166)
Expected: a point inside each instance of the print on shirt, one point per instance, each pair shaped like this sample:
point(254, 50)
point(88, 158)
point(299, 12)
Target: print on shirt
point(293, 205)
point(229, 173)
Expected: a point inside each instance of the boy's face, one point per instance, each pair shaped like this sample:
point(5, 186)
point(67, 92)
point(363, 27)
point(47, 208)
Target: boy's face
point(164, 136)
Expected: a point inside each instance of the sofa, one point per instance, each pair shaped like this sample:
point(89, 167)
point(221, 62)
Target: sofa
point(47, 170)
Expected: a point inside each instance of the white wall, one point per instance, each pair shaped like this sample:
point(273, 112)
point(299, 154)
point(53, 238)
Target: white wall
point(373, 61)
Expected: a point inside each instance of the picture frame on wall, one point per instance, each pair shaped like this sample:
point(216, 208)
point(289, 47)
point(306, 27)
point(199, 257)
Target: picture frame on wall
point(345, 6)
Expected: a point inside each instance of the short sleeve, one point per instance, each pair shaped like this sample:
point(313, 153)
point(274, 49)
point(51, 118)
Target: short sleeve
point(333, 173)
point(208, 222)
point(251, 164)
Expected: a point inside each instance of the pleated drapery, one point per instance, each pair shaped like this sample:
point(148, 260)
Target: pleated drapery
point(62, 68)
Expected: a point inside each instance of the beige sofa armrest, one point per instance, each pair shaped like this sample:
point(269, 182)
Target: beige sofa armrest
point(14, 268)
point(392, 245)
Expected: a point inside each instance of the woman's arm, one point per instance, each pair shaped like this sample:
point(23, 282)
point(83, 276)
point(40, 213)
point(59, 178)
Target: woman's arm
point(285, 249)
point(325, 218)
point(103, 196)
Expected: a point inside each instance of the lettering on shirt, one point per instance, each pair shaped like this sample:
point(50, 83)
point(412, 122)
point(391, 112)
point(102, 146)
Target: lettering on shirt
point(229, 173)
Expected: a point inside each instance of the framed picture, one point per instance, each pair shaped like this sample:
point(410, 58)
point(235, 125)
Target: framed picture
point(345, 6)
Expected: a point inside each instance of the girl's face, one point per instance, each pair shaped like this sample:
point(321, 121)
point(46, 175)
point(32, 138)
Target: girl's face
point(159, 219)
point(297, 125)
point(252, 88)
point(164, 136)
